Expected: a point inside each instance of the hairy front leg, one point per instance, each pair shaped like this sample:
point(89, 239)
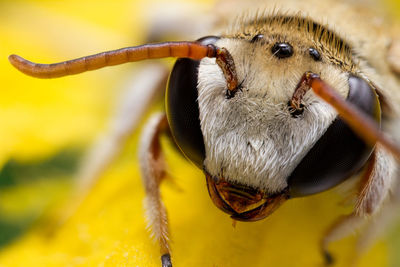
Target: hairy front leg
point(153, 166)
point(374, 193)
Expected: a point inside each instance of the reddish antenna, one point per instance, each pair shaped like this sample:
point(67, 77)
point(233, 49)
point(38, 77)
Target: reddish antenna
point(191, 50)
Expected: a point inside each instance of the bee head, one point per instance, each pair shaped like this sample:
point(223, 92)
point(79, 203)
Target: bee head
point(256, 146)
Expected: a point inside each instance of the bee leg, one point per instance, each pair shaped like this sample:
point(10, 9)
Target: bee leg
point(387, 215)
point(377, 227)
point(342, 227)
point(140, 94)
point(153, 167)
point(376, 183)
point(373, 191)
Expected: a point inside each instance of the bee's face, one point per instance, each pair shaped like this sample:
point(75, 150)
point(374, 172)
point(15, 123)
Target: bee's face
point(254, 140)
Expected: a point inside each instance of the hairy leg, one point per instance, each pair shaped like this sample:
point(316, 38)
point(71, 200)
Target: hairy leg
point(152, 165)
point(374, 192)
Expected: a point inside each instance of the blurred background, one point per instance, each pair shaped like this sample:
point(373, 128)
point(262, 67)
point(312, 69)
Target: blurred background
point(47, 125)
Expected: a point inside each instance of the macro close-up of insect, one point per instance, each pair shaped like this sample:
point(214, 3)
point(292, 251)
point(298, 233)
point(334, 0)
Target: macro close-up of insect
point(290, 111)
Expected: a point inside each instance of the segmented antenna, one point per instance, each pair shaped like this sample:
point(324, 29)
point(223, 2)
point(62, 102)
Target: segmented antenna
point(191, 50)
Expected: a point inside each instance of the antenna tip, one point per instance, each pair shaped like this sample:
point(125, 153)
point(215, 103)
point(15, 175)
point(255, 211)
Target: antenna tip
point(23, 65)
point(12, 58)
point(16, 61)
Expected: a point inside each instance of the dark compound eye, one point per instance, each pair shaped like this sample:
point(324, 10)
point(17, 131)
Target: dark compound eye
point(183, 108)
point(282, 50)
point(257, 38)
point(314, 54)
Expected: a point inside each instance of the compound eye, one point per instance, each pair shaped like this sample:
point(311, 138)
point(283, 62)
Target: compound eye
point(182, 107)
point(282, 50)
point(339, 153)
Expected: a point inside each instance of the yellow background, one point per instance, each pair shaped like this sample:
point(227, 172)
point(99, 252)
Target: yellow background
point(40, 118)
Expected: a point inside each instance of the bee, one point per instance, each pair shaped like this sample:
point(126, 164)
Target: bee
point(285, 101)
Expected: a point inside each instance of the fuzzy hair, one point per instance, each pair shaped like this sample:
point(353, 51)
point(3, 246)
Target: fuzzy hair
point(252, 139)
